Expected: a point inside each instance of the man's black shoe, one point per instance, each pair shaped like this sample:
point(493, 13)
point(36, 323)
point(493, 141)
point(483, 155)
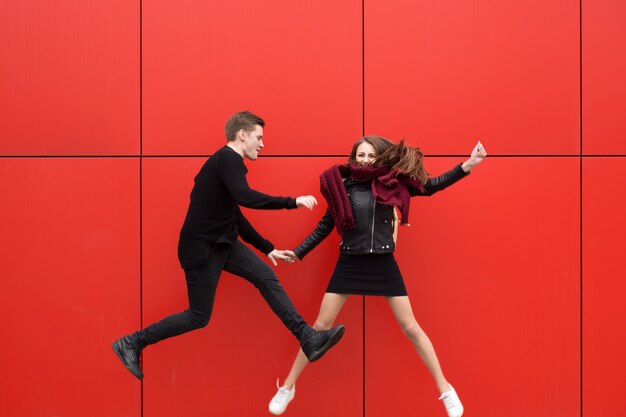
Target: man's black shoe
point(125, 349)
point(318, 343)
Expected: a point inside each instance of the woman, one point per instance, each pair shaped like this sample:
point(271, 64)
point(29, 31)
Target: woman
point(362, 196)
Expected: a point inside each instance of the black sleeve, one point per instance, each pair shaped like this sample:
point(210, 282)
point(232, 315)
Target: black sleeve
point(232, 173)
point(251, 236)
point(321, 232)
point(441, 182)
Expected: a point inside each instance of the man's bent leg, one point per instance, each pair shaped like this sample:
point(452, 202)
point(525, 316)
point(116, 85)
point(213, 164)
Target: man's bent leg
point(201, 286)
point(246, 264)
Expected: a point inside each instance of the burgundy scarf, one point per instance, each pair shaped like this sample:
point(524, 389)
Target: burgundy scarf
point(388, 188)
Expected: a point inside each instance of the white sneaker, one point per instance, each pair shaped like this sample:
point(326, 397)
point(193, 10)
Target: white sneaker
point(452, 403)
point(281, 400)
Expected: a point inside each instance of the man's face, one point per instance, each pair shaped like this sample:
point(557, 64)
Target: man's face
point(252, 143)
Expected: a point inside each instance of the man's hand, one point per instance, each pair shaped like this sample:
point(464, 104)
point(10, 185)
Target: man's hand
point(278, 254)
point(307, 201)
point(291, 256)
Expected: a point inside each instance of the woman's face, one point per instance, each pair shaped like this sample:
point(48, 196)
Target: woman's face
point(365, 154)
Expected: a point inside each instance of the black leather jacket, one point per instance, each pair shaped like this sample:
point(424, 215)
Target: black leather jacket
point(374, 221)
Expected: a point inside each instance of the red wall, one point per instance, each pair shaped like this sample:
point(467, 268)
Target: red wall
point(108, 109)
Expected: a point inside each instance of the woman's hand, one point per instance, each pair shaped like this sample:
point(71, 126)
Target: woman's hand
point(478, 154)
point(279, 254)
point(291, 256)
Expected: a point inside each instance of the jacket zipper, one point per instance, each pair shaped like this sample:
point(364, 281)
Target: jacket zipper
point(373, 222)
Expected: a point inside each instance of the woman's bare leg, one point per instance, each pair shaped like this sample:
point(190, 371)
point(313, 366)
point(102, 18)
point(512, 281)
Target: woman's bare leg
point(401, 308)
point(329, 309)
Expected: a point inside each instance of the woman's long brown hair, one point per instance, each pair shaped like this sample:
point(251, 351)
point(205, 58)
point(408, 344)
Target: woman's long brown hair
point(404, 159)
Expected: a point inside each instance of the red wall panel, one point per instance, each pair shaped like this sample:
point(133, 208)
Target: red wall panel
point(604, 87)
point(298, 65)
point(604, 312)
point(70, 283)
point(230, 367)
point(492, 270)
point(440, 73)
point(69, 77)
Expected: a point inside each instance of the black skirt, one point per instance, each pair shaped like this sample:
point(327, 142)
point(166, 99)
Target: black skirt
point(370, 274)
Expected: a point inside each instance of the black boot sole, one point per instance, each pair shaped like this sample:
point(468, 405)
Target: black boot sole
point(335, 337)
point(118, 349)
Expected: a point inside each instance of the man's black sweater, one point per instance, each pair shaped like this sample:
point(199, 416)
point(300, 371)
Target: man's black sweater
point(214, 215)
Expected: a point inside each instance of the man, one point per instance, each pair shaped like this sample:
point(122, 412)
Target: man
point(208, 244)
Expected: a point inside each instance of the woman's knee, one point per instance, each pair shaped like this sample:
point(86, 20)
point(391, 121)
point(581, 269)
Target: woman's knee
point(411, 330)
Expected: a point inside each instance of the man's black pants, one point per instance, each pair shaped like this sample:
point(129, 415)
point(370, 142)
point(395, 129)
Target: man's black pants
point(239, 260)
